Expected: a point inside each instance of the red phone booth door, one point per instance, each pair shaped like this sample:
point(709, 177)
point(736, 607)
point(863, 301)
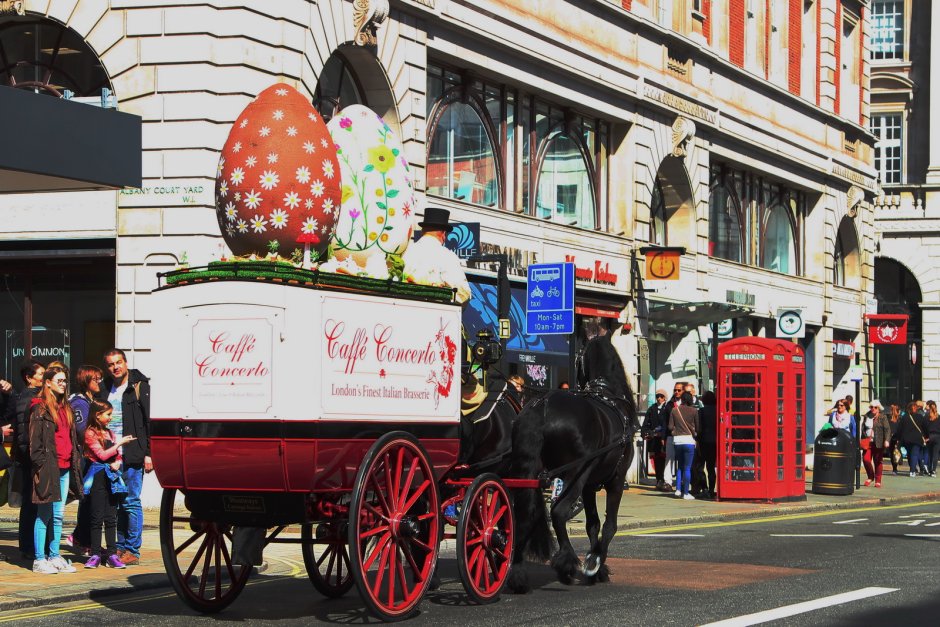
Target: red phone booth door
point(798, 478)
point(739, 438)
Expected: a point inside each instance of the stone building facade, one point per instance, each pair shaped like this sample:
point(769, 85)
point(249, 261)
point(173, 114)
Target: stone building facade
point(570, 131)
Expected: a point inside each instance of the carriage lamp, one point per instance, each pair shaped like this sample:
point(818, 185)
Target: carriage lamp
point(487, 350)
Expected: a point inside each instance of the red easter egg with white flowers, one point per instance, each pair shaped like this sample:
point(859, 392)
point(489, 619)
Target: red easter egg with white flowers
point(278, 181)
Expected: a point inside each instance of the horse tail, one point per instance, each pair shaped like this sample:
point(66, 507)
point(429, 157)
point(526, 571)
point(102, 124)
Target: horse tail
point(535, 537)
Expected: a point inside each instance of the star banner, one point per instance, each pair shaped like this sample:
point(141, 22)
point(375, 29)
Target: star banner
point(887, 328)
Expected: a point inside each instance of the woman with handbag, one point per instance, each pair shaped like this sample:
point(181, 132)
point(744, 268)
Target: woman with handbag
point(878, 431)
point(894, 419)
point(684, 424)
point(912, 429)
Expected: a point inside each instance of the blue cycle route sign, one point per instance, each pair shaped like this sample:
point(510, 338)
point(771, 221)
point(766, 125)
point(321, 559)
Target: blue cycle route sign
point(550, 299)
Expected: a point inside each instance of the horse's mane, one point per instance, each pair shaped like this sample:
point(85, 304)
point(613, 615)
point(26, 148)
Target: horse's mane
point(601, 360)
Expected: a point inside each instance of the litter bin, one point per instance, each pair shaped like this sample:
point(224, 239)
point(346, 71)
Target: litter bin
point(834, 462)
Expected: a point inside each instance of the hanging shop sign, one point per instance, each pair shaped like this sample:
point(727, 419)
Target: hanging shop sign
point(842, 349)
point(887, 328)
point(663, 265)
point(790, 322)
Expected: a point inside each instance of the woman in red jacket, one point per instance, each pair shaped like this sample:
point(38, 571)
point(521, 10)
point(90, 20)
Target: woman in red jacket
point(56, 465)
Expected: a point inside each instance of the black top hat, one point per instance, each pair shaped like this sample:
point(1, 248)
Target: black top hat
point(436, 218)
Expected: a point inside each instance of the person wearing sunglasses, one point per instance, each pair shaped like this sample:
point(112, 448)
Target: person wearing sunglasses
point(56, 460)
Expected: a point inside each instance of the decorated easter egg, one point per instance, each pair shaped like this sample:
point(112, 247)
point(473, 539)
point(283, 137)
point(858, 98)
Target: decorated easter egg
point(377, 214)
point(278, 185)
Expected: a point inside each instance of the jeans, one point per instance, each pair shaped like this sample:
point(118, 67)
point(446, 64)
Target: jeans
point(48, 527)
point(874, 458)
point(914, 453)
point(130, 523)
point(684, 455)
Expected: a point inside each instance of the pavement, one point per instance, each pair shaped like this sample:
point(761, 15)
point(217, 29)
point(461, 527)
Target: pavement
point(641, 508)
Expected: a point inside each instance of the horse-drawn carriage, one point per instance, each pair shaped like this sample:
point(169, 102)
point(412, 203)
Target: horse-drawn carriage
point(333, 403)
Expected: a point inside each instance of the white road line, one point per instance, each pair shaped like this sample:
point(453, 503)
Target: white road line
point(922, 535)
point(811, 535)
point(850, 522)
point(800, 608)
point(669, 535)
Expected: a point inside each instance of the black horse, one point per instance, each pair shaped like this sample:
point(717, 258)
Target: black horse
point(585, 438)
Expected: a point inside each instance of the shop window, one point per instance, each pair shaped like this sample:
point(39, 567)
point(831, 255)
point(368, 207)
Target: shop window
point(337, 88)
point(461, 160)
point(887, 26)
point(724, 220)
point(50, 58)
point(565, 193)
point(493, 145)
point(886, 127)
point(846, 258)
point(778, 252)
point(658, 216)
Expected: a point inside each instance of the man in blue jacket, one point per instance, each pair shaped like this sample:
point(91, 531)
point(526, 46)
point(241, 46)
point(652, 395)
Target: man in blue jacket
point(128, 391)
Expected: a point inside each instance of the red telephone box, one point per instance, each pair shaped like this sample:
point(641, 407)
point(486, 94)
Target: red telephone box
point(762, 420)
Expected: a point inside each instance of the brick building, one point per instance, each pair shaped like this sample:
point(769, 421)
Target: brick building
point(570, 130)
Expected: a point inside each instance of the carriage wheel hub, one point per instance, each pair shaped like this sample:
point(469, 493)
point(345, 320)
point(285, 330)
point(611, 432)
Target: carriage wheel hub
point(404, 526)
point(494, 539)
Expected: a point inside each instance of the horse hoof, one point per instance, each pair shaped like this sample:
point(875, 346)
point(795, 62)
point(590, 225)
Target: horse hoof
point(592, 564)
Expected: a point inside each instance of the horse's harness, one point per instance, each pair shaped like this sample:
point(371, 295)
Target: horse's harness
point(598, 389)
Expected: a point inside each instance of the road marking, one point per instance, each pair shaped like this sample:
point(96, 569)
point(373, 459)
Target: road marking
point(854, 521)
point(811, 535)
point(769, 519)
point(922, 535)
point(670, 535)
point(800, 608)
point(906, 523)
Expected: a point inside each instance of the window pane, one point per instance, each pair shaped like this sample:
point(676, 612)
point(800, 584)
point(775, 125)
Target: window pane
point(724, 227)
point(461, 164)
point(887, 28)
point(779, 250)
point(887, 128)
point(565, 192)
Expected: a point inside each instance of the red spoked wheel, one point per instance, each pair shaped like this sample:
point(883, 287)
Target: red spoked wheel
point(394, 526)
point(326, 558)
point(485, 539)
point(197, 556)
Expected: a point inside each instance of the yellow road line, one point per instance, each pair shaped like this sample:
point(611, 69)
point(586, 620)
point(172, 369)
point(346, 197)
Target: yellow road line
point(297, 570)
point(758, 521)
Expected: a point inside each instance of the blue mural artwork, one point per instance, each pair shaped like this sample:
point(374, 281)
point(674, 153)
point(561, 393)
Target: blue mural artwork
point(481, 313)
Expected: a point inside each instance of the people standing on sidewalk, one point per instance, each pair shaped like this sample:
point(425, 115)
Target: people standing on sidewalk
point(128, 391)
point(878, 428)
point(103, 451)
point(31, 373)
point(933, 438)
point(88, 384)
point(912, 429)
point(54, 453)
point(684, 425)
point(654, 432)
point(676, 400)
point(842, 419)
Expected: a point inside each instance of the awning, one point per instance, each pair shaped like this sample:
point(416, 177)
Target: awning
point(682, 317)
point(50, 144)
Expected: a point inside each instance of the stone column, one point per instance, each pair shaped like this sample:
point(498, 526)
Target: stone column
point(933, 171)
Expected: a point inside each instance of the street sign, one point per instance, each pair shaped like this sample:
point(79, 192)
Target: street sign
point(856, 373)
point(790, 322)
point(550, 299)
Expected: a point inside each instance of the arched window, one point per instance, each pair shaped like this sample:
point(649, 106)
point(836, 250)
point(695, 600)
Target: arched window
point(658, 215)
point(847, 270)
point(724, 223)
point(336, 88)
point(778, 252)
point(48, 57)
point(565, 192)
point(461, 160)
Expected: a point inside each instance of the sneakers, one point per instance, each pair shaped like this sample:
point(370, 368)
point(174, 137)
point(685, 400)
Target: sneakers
point(679, 493)
point(69, 540)
point(129, 559)
point(913, 474)
point(93, 562)
point(44, 567)
point(114, 561)
point(688, 497)
point(62, 565)
point(877, 484)
point(867, 482)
